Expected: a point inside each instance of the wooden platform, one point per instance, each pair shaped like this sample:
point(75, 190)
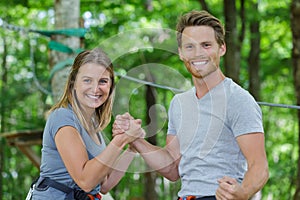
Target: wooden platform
point(24, 140)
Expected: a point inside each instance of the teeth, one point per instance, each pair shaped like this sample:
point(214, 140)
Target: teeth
point(94, 96)
point(199, 63)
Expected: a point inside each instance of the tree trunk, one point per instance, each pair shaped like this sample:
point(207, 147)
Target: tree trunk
point(295, 18)
point(204, 5)
point(243, 25)
point(151, 119)
point(253, 59)
point(253, 64)
point(2, 112)
point(232, 56)
point(67, 15)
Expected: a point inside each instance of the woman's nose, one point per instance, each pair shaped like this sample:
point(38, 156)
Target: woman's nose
point(96, 87)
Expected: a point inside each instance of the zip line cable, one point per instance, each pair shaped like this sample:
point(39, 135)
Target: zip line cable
point(8, 26)
point(148, 83)
point(179, 91)
point(279, 105)
point(69, 32)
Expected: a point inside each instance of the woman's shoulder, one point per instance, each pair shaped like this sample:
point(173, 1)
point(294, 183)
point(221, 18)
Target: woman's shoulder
point(61, 113)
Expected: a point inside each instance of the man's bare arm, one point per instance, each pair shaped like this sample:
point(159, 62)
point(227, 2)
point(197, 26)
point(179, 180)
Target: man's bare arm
point(163, 160)
point(253, 148)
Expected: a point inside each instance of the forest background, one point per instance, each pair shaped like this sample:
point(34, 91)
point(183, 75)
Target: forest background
point(139, 36)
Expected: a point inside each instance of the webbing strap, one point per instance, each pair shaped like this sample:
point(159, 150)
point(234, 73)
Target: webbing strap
point(60, 65)
point(57, 185)
point(57, 46)
point(76, 32)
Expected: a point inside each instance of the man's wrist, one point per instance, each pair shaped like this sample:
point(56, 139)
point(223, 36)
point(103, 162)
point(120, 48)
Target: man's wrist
point(136, 143)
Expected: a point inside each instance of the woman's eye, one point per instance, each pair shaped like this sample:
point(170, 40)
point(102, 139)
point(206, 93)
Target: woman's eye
point(103, 81)
point(86, 80)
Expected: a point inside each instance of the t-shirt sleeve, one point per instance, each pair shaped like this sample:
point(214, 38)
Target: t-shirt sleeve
point(60, 118)
point(245, 115)
point(172, 116)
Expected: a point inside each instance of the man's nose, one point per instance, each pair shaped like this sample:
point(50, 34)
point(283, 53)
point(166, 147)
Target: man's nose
point(199, 51)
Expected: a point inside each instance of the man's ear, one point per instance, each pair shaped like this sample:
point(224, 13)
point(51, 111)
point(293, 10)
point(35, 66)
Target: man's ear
point(222, 49)
point(180, 54)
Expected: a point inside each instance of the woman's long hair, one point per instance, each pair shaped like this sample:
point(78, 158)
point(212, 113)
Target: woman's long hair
point(102, 115)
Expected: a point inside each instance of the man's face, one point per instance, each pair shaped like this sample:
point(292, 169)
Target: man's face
point(200, 51)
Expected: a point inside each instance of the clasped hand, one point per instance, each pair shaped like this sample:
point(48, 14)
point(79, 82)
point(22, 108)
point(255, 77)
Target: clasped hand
point(126, 124)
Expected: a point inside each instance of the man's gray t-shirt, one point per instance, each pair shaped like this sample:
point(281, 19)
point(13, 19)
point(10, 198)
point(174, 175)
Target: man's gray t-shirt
point(207, 129)
point(52, 165)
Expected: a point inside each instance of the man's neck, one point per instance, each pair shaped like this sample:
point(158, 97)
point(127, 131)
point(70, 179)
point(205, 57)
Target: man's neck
point(203, 85)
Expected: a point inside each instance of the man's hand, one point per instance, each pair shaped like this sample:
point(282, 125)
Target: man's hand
point(127, 124)
point(121, 123)
point(230, 189)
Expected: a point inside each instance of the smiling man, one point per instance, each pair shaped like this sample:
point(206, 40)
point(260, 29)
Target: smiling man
point(215, 141)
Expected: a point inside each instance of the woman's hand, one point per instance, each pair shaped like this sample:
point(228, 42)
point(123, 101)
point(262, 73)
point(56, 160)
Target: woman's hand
point(121, 124)
point(127, 125)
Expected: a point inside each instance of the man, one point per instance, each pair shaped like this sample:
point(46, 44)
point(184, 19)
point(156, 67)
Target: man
point(215, 141)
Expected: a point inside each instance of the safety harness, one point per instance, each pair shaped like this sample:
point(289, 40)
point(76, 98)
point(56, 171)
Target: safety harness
point(72, 194)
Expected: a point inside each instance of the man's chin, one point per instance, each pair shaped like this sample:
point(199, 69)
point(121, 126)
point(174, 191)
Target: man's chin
point(196, 74)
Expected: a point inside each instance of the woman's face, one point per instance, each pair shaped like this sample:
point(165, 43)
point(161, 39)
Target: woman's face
point(92, 86)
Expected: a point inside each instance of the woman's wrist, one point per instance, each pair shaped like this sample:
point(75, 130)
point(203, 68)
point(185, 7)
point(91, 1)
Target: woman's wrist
point(120, 140)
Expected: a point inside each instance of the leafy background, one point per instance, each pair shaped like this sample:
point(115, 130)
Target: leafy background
point(24, 104)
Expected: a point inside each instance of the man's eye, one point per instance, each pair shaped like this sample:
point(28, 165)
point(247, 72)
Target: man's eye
point(86, 80)
point(189, 46)
point(206, 45)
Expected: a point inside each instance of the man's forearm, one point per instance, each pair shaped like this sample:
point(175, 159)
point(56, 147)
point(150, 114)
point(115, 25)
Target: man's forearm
point(158, 158)
point(118, 171)
point(255, 178)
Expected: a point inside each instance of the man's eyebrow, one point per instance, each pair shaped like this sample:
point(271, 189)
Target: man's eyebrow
point(188, 43)
point(85, 76)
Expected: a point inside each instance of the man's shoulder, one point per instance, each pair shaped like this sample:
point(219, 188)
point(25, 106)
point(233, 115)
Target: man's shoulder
point(184, 98)
point(237, 96)
point(235, 90)
point(186, 93)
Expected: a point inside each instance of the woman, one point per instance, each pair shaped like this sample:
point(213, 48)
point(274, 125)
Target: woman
point(76, 163)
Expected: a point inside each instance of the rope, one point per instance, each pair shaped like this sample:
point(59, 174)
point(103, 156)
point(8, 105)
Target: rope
point(32, 66)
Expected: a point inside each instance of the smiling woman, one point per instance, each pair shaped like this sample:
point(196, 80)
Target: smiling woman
point(92, 86)
point(76, 162)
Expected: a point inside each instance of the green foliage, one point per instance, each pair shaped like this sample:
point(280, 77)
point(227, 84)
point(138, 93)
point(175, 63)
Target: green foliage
point(22, 103)
point(127, 30)
point(281, 136)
